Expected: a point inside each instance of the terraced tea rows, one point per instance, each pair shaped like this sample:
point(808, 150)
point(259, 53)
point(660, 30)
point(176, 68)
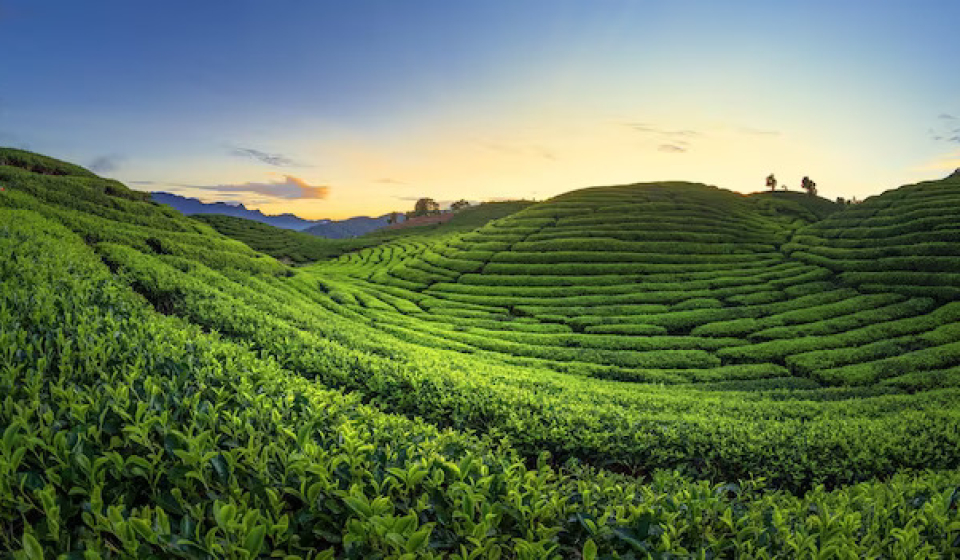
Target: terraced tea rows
point(703, 286)
point(166, 391)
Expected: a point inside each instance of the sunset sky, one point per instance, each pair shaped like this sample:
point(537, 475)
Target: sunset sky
point(331, 109)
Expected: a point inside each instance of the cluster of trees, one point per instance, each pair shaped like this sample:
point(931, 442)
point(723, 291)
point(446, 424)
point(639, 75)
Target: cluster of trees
point(427, 207)
point(806, 184)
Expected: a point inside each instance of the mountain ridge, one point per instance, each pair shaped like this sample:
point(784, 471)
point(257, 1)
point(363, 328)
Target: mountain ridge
point(190, 206)
point(331, 229)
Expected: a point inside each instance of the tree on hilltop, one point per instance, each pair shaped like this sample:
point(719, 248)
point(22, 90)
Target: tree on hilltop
point(771, 182)
point(459, 205)
point(424, 207)
point(808, 185)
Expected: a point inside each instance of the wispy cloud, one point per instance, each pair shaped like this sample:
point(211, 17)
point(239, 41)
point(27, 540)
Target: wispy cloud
point(670, 133)
point(545, 153)
point(674, 141)
point(290, 188)
point(946, 130)
point(276, 160)
point(758, 131)
point(671, 148)
point(105, 164)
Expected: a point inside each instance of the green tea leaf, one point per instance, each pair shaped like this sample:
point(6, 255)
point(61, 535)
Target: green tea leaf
point(32, 548)
point(419, 539)
point(589, 550)
point(253, 543)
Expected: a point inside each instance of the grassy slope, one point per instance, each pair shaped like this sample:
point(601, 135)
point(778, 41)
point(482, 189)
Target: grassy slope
point(176, 442)
point(794, 205)
point(290, 246)
point(298, 248)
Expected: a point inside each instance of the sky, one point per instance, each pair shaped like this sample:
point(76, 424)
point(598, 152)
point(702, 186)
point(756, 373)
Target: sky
point(330, 109)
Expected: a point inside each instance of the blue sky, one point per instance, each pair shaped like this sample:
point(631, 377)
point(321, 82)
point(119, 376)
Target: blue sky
point(381, 102)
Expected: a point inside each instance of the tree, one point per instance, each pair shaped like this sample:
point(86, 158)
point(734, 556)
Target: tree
point(393, 218)
point(459, 205)
point(771, 182)
point(426, 207)
point(808, 185)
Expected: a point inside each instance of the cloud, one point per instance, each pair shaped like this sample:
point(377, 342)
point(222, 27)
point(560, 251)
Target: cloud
point(546, 154)
point(145, 183)
point(290, 188)
point(652, 129)
point(105, 164)
point(758, 131)
point(673, 141)
point(946, 131)
point(277, 160)
point(671, 148)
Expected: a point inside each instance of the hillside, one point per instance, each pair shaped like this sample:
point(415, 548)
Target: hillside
point(299, 247)
point(665, 370)
point(794, 205)
point(291, 247)
point(705, 287)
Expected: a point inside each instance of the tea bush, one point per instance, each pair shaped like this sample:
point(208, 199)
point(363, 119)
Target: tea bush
point(166, 391)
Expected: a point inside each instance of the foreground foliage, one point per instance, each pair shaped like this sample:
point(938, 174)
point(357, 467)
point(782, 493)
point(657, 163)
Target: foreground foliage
point(168, 392)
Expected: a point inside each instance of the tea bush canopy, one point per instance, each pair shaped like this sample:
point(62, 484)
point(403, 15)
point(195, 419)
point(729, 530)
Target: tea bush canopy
point(656, 370)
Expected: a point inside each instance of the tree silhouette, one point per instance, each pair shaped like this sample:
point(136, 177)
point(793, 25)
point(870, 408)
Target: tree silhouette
point(425, 207)
point(808, 185)
point(459, 205)
point(771, 182)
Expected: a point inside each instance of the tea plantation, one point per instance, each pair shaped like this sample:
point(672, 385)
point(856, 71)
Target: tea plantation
point(663, 370)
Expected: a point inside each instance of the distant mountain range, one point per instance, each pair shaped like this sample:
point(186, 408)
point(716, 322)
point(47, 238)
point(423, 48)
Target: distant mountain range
point(333, 229)
point(351, 227)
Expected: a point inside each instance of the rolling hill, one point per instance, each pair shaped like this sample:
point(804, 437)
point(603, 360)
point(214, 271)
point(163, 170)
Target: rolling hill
point(299, 247)
point(651, 370)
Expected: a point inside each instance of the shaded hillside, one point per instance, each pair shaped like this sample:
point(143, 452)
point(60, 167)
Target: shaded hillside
point(294, 247)
point(41, 164)
point(617, 372)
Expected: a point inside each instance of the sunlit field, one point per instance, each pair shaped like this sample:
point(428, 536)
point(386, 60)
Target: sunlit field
point(659, 369)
